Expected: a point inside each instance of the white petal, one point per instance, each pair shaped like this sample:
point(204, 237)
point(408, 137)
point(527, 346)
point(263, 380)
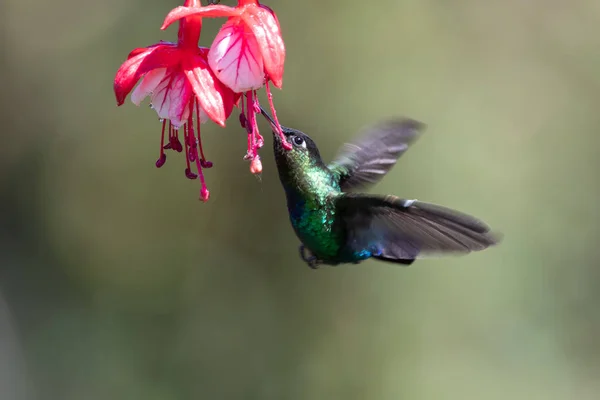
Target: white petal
point(236, 59)
point(161, 101)
point(177, 121)
point(171, 96)
point(147, 85)
point(180, 93)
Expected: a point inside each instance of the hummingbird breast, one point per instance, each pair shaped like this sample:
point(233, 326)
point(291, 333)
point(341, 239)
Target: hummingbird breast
point(313, 224)
point(311, 206)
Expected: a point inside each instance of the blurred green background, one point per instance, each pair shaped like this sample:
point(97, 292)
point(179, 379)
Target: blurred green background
point(116, 282)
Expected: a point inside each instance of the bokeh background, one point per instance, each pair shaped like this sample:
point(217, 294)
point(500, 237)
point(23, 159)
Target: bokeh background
point(116, 282)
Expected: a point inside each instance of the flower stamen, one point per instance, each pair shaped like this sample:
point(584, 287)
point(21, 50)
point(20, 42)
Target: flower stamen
point(203, 161)
point(191, 146)
point(246, 125)
point(176, 142)
point(163, 157)
point(260, 141)
point(252, 126)
point(168, 145)
point(188, 171)
point(284, 142)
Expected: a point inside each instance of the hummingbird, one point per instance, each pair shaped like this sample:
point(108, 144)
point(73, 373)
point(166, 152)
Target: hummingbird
point(337, 224)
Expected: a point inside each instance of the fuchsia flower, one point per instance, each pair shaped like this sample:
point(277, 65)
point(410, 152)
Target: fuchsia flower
point(180, 82)
point(247, 53)
point(187, 82)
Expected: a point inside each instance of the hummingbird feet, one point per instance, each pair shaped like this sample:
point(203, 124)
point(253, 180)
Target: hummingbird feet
point(308, 257)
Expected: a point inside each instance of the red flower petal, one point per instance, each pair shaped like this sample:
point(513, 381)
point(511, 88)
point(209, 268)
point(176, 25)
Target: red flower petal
point(132, 70)
point(213, 11)
point(266, 30)
point(139, 50)
point(127, 75)
point(214, 99)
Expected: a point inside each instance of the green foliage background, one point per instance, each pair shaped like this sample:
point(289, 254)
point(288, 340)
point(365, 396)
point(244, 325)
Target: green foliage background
point(116, 282)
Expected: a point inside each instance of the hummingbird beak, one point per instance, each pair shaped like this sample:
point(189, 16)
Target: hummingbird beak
point(271, 122)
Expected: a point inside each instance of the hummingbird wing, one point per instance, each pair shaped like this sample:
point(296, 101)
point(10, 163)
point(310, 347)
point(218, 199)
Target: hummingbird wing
point(399, 230)
point(370, 157)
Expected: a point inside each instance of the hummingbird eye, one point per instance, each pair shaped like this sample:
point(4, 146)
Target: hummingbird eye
point(298, 141)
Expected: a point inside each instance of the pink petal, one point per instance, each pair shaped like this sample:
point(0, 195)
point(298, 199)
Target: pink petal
point(235, 57)
point(149, 83)
point(159, 56)
point(161, 101)
point(207, 88)
point(208, 11)
point(265, 27)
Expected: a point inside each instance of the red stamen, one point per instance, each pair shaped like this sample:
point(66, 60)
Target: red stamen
point(204, 193)
point(163, 157)
point(284, 142)
point(254, 125)
point(205, 163)
point(243, 119)
point(176, 143)
point(255, 140)
point(173, 146)
point(190, 175)
point(188, 171)
point(249, 127)
point(191, 143)
point(260, 141)
point(168, 145)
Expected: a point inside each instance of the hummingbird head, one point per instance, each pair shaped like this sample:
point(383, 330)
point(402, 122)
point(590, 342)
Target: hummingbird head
point(304, 152)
